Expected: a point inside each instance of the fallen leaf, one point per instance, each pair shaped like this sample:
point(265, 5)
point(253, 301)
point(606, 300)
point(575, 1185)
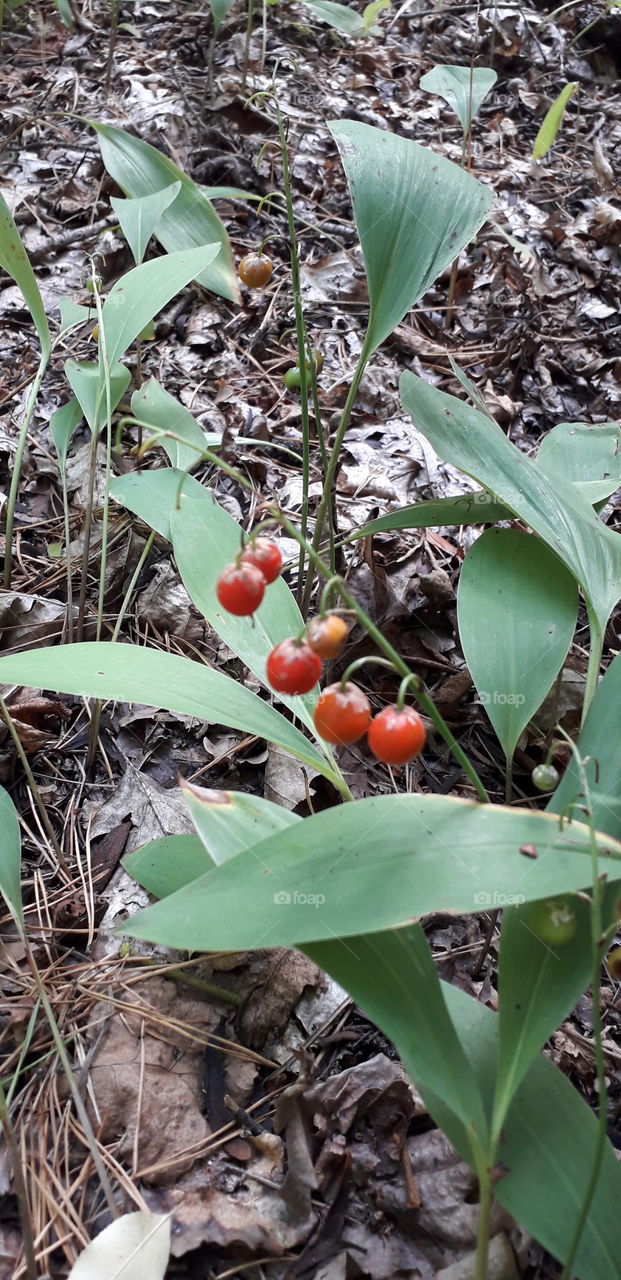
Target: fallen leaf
point(133, 1247)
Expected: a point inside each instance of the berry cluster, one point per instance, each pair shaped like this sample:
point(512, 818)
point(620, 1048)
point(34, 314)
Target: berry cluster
point(343, 711)
point(241, 586)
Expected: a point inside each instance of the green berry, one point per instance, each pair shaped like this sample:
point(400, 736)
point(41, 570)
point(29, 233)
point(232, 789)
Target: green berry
point(554, 921)
point(545, 777)
point(292, 378)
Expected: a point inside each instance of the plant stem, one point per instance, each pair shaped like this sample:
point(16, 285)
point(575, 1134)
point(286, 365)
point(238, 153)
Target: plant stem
point(20, 1187)
point(132, 583)
point(330, 476)
point(483, 1226)
point(17, 468)
point(595, 658)
point(300, 333)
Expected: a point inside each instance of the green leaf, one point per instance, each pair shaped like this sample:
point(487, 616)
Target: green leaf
point(549, 1129)
point(600, 731)
point(378, 864)
point(587, 454)
point(151, 495)
point(154, 406)
point(552, 121)
point(464, 88)
point(469, 508)
point(85, 380)
point(190, 221)
point(71, 313)
point(139, 217)
point(227, 822)
point(167, 864)
point(538, 987)
point(205, 538)
point(414, 212)
point(138, 296)
point(10, 856)
point(517, 606)
point(64, 9)
point(552, 507)
point(219, 10)
point(63, 423)
point(130, 673)
point(337, 15)
point(393, 977)
point(15, 261)
point(371, 12)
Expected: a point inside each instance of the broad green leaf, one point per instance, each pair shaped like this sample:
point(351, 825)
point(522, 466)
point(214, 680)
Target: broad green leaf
point(156, 407)
point(538, 987)
point(15, 261)
point(464, 88)
point(414, 212)
point(517, 606)
point(135, 1244)
point(130, 673)
point(72, 313)
point(10, 856)
point(587, 454)
point(86, 381)
point(219, 10)
point(138, 296)
point(190, 221)
point(597, 744)
point(349, 21)
point(228, 822)
point(151, 495)
point(372, 865)
point(371, 12)
point(551, 507)
point(469, 508)
point(64, 9)
point(549, 1129)
point(167, 864)
point(205, 538)
point(470, 389)
point(393, 977)
point(139, 217)
point(63, 423)
point(552, 121)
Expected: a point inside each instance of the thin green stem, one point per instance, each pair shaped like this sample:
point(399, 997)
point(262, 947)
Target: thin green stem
point(21, 1193)
point(67, 526)
point(17, 468)
point(300, 333)
point(596, 649)
point(363, 662)
point(330, 476)
point(598, 943)
point(132, 583)
point(486, 1198)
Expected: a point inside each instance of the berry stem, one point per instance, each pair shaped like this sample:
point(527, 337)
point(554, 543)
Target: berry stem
point(403, 688)
point(363, 662)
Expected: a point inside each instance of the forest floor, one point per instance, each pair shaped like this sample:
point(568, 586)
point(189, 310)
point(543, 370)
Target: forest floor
point(373, 1188)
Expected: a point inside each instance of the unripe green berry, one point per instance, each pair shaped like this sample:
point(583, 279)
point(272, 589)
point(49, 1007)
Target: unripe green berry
point(545, 777)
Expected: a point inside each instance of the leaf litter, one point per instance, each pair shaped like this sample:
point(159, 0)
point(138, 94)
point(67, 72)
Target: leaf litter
point(327, 1164)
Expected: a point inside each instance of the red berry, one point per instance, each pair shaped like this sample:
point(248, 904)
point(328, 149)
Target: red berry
point(327, 636)
point(265, 555)
point(396, 736)
point(255, 270)
point(292, 667)
point(342, 714)
point(240, 589)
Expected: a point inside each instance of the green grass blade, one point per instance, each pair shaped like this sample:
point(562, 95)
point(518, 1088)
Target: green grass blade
point(10, 856)
point(552, 121)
